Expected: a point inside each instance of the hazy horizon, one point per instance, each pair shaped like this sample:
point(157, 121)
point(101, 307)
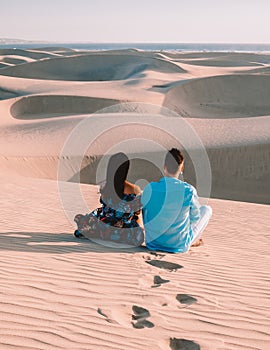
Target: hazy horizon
point(174, 21)
point(131, 42)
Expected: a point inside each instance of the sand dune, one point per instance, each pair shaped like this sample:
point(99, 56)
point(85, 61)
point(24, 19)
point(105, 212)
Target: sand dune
point(27, 53)
point(91, 68)
point(63, 293)
point(261, 70)
point(231, 96)
point(15, 59)
point(54, 49)
point(44, 106)
point(232, 57)
point(237, 149)
point(4, 65)
point(58, 292)
point(6, 94)
point(220, 62)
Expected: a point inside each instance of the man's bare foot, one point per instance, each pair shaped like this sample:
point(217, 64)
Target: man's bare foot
point(197, 243)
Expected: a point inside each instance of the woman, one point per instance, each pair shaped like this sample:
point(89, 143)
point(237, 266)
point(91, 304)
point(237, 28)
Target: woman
point(118, 218)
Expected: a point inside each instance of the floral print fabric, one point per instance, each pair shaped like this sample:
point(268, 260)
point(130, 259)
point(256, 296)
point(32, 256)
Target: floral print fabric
point(114, 223)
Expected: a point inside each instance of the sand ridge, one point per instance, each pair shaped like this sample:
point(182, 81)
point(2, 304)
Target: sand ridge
point(216, 97)
point(64, 293)
point(229, 111)
point(92, 67)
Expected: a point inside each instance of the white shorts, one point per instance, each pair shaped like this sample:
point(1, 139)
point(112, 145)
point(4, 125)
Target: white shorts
point(199, 226)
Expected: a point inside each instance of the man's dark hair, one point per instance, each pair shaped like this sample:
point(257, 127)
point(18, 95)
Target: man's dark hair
point(174, 158)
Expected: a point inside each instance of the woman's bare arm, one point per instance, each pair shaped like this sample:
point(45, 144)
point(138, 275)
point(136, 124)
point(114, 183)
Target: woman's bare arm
point(131, 188)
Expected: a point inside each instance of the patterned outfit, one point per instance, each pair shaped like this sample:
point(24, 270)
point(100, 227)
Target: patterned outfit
point(118, 224)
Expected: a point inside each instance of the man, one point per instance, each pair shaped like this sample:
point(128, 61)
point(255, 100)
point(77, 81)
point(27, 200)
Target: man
point(173, 217)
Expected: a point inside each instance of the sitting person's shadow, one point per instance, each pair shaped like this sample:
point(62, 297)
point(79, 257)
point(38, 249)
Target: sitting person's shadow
point(60, 243)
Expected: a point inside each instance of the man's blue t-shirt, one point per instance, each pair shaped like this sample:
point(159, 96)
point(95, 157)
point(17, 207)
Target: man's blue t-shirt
point(170, 206)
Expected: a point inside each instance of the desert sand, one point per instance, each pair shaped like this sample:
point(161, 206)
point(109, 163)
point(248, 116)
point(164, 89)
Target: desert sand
point(61, 293)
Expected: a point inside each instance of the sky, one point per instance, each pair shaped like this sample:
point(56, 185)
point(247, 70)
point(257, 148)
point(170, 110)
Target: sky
point(162, 21)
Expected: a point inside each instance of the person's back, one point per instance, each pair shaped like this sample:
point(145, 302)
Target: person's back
point(171, 210)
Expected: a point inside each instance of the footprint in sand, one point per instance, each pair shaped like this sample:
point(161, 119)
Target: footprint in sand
point(186, 299)
point(106, 316)
point(143, 324)
point(183, 344)
point(140, 315)
point(140, 312)
point(158, 255)
point(166, 265)
point(158, 281)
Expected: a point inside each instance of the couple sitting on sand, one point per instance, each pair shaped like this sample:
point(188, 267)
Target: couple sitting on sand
point(173, 219)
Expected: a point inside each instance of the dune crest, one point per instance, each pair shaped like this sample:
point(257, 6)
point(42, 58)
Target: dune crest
point(45, 106)
point(228, 96)
point(97, 67)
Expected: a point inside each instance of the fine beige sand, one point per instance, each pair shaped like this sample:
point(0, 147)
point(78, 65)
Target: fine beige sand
point(61, 293)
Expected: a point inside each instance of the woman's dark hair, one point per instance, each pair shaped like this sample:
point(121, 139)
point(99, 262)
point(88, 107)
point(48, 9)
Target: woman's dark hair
point(174, 158)
point(117, 171)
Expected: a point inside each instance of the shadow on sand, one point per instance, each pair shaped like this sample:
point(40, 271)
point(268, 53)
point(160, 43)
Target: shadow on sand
point(62, 243)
